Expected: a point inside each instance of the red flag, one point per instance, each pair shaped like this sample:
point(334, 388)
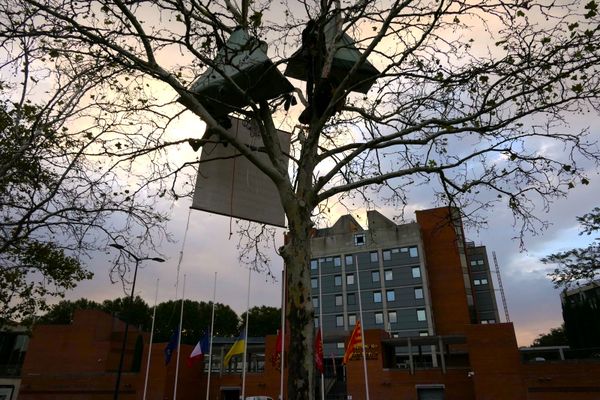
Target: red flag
point(279, 345)
point(355, 340)
point(319, 352)
point(276, 357)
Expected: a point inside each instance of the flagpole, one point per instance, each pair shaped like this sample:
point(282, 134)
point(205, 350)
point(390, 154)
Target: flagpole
point(283, 307)
point(362, 331)
point(212, 326)
point(151, 338)
point(246, 336)
point(179, 339)
point(321, 329)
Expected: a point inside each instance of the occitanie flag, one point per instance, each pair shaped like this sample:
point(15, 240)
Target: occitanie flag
point(355, 340)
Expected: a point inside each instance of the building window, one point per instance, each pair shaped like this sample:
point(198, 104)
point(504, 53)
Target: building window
point(314, 264)
point(473, 263)
point(374, 256)
point(423, 333)
point(339, 345)
point(315, 302)
point(479, 262)
point(359, 239)
point(421, 316)
point(476, 282)
point(339, 320)
point(484, 281)
point(424, 393)
point(351, 299)
point(377, 297)
point(349, 260)
point(378, 318)
point(351, 319)
point(337, 280)
point(314, 283)
point(416, 272)
point(375, 276)
point(413, 252)
point(338, 300)
point(387, 255)
point(389, 275)
point(392, 317)
point(349, 279)
point(316, 322)
point(337, 262)
point(390, 295)
point(418, 293)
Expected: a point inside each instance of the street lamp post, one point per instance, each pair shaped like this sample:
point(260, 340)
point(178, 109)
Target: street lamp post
point(137, 263)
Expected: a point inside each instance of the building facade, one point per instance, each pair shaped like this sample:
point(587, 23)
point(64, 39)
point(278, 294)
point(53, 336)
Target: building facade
point(431, 323)
point(581, 313)
point(397, 273)
point(13, 347)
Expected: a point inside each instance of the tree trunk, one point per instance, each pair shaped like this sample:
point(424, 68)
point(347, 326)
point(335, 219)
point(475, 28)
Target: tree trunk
point(299, 312)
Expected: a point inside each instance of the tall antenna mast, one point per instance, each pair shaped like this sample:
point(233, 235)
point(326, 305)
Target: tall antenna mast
point(500, 287)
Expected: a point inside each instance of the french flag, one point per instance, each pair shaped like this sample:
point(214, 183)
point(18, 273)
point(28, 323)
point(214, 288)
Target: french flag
point(199, 351)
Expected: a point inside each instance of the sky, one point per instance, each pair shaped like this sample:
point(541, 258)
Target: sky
point(533, 303)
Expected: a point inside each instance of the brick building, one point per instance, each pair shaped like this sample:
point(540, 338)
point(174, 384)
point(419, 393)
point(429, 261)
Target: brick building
point(432, 331)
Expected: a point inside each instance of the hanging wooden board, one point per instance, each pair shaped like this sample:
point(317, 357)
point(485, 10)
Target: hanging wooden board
point(229, 184)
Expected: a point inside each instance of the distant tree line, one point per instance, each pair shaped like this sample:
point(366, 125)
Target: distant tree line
point(263, 320)
point(555, 337)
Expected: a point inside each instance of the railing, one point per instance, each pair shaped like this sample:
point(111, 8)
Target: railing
point(558, 353)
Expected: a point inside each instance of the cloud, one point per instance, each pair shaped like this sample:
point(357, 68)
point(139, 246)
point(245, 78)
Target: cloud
point(533, 303)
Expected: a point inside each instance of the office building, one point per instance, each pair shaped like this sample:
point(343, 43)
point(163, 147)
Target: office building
point(405, 273)
point(431, 323)
point(581, 313)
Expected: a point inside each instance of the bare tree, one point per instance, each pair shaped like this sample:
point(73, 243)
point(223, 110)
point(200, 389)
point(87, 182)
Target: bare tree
point(58, 200)
point(471, 99)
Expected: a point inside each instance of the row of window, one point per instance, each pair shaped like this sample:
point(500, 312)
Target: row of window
point(378, 318)
point(476, 263)
point(478, 282)
point(413, 252)
point(375, 277)
point(374, 257)
point(342, 345)
point(390, 295)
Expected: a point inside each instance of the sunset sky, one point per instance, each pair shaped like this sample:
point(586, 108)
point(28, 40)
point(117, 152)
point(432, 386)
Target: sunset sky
point(533, 303)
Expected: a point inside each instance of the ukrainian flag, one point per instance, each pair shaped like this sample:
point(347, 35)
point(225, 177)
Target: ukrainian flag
point(237, 348)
